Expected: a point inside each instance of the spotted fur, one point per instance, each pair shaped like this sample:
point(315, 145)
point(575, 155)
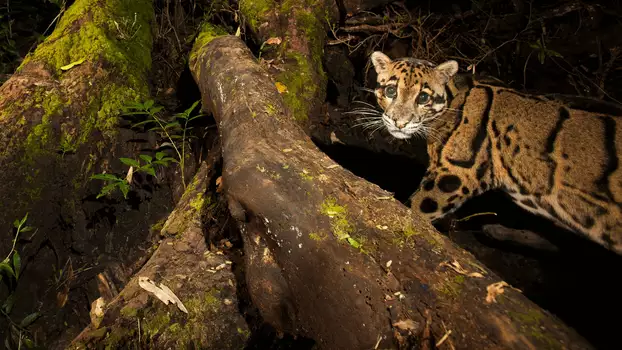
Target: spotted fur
point(554, 157)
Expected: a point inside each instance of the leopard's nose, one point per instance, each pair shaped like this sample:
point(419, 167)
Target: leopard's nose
point(400, 124)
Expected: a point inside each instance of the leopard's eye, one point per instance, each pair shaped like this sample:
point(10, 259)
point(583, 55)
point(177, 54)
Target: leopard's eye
point(390, 91)
point(423, 98)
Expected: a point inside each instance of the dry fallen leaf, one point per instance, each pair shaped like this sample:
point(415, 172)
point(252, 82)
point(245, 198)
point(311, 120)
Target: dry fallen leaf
point(219, 184)
point(274, 41)
point(162, 292)
point(130, 174)
point(455, 265)
point(281, 87)
point(406, 325)
point(97, 312)
point(496, 289)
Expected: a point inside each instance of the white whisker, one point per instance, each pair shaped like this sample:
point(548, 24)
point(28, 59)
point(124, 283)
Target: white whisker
point(364, 103)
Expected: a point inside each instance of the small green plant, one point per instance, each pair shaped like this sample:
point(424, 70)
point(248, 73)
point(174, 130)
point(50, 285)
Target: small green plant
point(123, 184)
point(543, 52)
point(10, 270)
point(175, 130)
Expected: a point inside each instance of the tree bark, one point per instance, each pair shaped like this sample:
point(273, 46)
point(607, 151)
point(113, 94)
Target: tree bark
point(202, 280)
point(334, 258)
point(295, 60)
point(58, 126)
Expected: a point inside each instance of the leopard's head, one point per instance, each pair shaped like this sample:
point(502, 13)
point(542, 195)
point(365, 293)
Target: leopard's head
point(411, 93)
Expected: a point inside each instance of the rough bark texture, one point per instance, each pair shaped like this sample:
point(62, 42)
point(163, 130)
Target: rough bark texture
point(333, 257)
point(201, 279)
point(58, 126)
point(296, 61)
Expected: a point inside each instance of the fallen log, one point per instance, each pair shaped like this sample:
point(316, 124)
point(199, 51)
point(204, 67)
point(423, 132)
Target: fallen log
point(330, 256)
point(58, 126)
point(201, 279)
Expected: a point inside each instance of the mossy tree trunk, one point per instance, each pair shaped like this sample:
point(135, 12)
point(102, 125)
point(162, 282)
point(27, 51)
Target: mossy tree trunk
point(58, 126)
point(202, 280)
point(334, 258)
point(296, 59)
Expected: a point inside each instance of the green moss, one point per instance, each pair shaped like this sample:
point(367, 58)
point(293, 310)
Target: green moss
point(86, 31)
point(97, 333)
point(304, 174)
point(197, 202)
point(530, 324)
point(157, 227)
point(155, 323)
point(244, 332)
point(450, 288)
point(116, 338)
point(175, 328)
point(270, 109)
point(459, 279)
point(317, 236)
point(408, 231)
point(39, 138)
point(301, 89)
point(338, 215)
point(254, 11)
point(118, 31)
point(129, 312)
point(200, 310)
point(207, 33)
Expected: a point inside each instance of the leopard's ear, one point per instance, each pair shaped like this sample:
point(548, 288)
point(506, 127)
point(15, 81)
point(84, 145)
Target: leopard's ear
point(380, 61)
point(446, 70)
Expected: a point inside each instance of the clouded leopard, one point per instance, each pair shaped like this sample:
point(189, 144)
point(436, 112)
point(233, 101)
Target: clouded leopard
point(551, 157)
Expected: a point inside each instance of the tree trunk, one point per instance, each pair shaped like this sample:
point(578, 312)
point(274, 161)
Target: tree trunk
point(296, 57)
point(58, 126)
point(202, 280)
point(334, 258)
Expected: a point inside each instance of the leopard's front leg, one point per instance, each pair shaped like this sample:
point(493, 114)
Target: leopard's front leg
point(441, 192)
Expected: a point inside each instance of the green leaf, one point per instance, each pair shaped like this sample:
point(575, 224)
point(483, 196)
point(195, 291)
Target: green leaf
point(108, 189)
point(106, 177)
point(17, 263)
point(146, 158)
point(136, 113)
point(16, 223)
point(21, 223)
point(5, 267)
point(26, 229)
point(196, 116)
point(353, 242)
point(149, 170)
point(143, 122)
point(155, 110)
point(7, 306)
point(125, 188)
point(29, 343)
point(72, 64)
point(160, 155)
point(130, 162)
point(30, 319)
point(148, 104)
point(171, 125)
point(189, 110)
